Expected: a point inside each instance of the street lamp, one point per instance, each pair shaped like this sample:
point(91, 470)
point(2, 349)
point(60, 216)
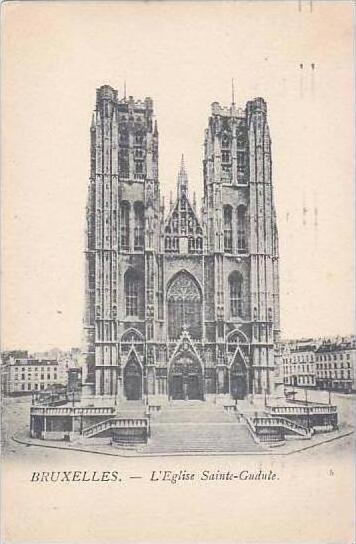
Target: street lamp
point(308, 415)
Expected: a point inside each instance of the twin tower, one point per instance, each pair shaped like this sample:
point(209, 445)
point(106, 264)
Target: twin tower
point(180, 305)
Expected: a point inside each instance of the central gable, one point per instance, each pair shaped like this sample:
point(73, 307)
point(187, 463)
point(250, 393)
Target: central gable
point(183, 232)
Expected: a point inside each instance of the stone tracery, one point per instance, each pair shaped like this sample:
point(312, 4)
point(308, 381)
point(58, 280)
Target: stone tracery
point(184, 306)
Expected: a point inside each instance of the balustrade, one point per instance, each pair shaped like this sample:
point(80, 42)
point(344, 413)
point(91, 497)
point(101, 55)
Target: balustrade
point(302, 410)
point(73, 411)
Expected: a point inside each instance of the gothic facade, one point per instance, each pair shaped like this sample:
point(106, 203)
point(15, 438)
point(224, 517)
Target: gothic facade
point(180, 305)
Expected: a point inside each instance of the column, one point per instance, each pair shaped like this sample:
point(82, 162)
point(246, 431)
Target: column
point(131, 228)
point(150, 381)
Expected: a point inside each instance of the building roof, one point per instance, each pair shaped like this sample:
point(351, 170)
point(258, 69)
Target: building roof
point(33, 362)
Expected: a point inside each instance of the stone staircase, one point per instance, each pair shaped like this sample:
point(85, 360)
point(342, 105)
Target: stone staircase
point(197, 426)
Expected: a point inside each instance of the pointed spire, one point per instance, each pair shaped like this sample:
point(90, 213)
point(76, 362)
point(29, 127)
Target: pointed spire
point(182, 179)
point(170, 201)
point(194, 202)
point(125, 89)
point(232, 92)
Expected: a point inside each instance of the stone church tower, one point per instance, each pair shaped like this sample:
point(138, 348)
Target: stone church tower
point(242, 237)
point(180, 305)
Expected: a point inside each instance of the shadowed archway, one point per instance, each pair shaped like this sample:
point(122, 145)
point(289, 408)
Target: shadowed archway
point(133, 380)
point(186, 379)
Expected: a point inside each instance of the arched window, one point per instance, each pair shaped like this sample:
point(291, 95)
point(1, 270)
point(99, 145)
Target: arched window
point(138, 138)
point(241, 229)
point(236, 303)
point(139, 226)
point(228, 229)
point(225, 155)
point(184, 306)
point(125, 226)
point(132, 293)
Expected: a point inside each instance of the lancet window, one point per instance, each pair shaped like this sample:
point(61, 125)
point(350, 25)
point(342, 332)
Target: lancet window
point(139, 155)
point(139, 226)
point(133, 293)
point(124, 154)
point(236, 301)
point(228, 229)
point(241, 229)
point(225, 154)
point(125, 226)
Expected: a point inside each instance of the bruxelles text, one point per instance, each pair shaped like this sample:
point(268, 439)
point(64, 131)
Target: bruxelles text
point(169, 476)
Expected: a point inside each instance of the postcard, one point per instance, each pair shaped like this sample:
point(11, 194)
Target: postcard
point(178, 359)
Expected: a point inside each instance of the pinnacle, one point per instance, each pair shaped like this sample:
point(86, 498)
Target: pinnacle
point(182, 179)
point(182, 165)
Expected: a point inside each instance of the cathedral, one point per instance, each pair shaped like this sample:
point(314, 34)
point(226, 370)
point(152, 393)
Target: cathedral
point(180, 303)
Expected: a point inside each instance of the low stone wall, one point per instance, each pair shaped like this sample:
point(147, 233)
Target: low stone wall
point(125, 437)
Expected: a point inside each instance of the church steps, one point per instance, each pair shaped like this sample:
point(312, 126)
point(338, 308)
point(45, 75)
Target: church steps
point(198, 427)
point(200, 438)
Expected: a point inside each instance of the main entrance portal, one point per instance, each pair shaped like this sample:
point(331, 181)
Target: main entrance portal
point(186, 380)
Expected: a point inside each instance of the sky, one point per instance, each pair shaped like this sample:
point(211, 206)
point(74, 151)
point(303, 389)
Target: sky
point(183, 55)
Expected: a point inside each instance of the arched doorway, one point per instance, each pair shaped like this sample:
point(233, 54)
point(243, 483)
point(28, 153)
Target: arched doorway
point(238, 380)
point(133, 380)
point(186, 380)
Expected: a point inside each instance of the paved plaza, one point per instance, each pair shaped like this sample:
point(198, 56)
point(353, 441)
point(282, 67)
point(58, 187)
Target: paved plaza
point(15, 422)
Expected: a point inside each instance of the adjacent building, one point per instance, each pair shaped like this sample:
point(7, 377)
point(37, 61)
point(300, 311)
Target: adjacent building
point(335, 365)
point(324, 363)
point(298, 360)
point(25, 375)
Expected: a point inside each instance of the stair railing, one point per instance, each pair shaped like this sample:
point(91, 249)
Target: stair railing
point(116, 422)
point(274, 421)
